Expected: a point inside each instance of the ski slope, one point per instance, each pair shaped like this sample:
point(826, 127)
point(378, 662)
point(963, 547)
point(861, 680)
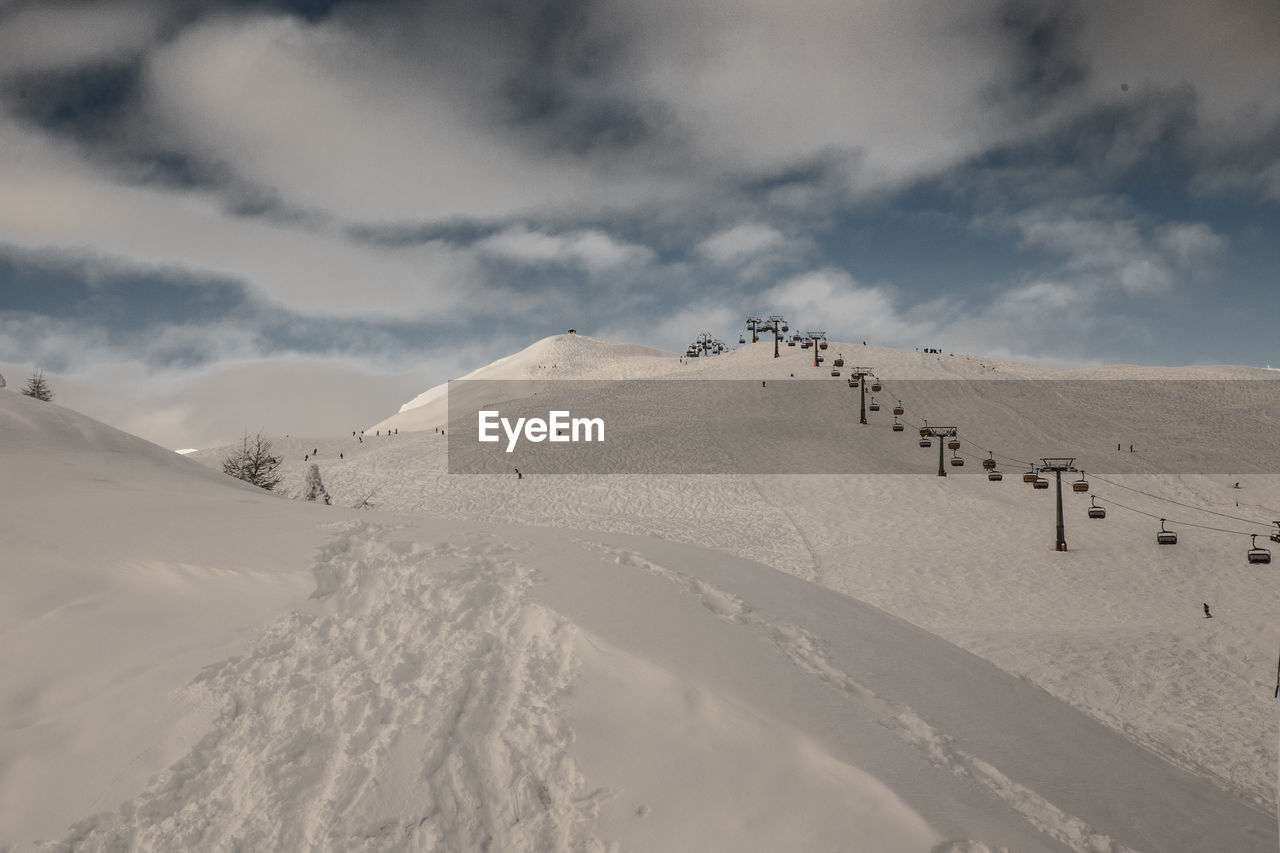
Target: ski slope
point(730, 662)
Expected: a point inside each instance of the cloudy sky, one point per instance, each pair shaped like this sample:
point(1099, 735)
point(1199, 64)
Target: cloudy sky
point(226, 215)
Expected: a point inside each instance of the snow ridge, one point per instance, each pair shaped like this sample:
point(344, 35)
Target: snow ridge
point(806, 651)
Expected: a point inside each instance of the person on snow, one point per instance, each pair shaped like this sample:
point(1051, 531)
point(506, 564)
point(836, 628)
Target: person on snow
point(519, 476)
point(1207, 614)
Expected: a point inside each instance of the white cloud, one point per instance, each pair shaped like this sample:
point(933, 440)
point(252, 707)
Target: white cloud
point(1102, 246)
point(591, 249)
point(49, 35)
point(741, 242)
point(333, 120)
point(848, 311)
point(55, 201)
point(892, 90)
point(1190, 242)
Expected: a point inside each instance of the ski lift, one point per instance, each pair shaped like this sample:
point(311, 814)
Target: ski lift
point(853, 382)
point(835, 371)
point(995, 476)
point(898, 410)
point(1166, 537)
point(953, 444)
point(990, 462)
point(924, 430)
point(875, 386)
point(1256, 554)
point(897, 427)
point(1040, 483)
point(839, 362)
point(785, 327)
point(795, 337)
point(820, 359)
point(1096, 511)
point(1275, 537)
point(924, 442)
point(822, 345)
point(1081, 485)
point(1030, 476)
point(742, 339)
point(957, 461)
point(875, 407)
point(791, 343)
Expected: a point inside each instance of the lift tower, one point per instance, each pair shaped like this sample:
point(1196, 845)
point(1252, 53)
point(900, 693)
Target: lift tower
point(1058, 464)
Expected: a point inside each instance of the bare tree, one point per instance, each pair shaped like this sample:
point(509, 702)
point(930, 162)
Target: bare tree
point(38, 387)
point(254, 463)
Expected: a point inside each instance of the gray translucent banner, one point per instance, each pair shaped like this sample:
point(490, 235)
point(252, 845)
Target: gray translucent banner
point(798, 426)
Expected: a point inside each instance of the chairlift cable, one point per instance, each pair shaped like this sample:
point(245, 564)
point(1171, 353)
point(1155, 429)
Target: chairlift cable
point(1184, 505)
point(1172, 520)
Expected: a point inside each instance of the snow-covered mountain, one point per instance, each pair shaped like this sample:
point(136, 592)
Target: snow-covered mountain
point(876, 662)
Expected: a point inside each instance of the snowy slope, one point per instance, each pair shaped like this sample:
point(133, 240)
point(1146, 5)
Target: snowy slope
point(890, 662)
point(574, 357)
point(556, 357)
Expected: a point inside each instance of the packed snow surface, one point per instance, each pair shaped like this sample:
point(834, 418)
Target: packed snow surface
point(859, 663)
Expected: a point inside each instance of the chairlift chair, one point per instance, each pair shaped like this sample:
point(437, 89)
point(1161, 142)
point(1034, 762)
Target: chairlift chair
point(1275, 537)
point(953, 444)
point(785, 327)
point(957, 461)
point(875, 407)
point(1096, 511)
point(897, 427)
point(875, 386)
point(1030, 476)
point(839, 362)
point(924, 442)
point(1040, 483)
point(989, 463)
point(898, 410)
point(995, 476)
point(1166, 537)
point(1081, 485)
point(835, 371)
point(742, 339)
point(1256, 554)
point(820, 359)
point(822, 345)
point(791, 343)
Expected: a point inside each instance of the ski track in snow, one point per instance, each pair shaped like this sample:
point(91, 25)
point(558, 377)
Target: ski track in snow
point(420, 683)
point(806, 651)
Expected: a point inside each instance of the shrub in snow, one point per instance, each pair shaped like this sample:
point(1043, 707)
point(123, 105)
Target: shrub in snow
point(254, 463)
point(38, 387)
point(315, 488)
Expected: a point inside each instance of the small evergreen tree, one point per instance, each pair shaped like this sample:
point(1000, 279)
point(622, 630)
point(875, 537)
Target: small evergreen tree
point(38, 387)
point(315, 488)
point(254, 463)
